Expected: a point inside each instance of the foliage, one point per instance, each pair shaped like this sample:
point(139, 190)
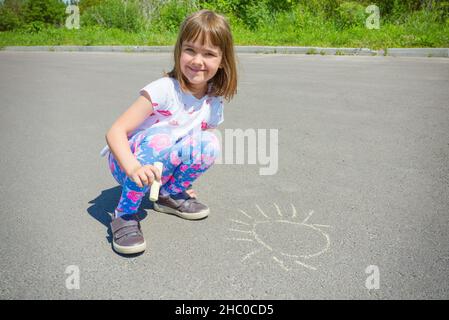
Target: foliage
point(32, 15)
point(47, 12)
point(171, 13)
point(84, 4)
point(350, 14)
point(9, 20)
point(125, 15)
point(404, 23)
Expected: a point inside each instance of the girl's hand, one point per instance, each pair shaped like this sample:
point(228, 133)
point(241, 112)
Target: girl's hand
point(145, 175)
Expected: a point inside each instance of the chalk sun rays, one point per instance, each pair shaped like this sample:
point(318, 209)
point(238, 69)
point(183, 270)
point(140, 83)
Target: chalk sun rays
point(250, 228)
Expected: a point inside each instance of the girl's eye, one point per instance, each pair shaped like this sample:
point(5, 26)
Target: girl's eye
point(191, 50)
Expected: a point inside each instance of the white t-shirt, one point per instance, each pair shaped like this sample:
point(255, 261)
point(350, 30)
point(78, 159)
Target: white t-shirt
point(177, 110)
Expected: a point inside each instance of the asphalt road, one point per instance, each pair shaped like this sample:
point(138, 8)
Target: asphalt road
point(361, 180)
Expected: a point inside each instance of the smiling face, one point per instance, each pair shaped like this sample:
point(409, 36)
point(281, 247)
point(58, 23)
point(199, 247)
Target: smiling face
point(199, 63)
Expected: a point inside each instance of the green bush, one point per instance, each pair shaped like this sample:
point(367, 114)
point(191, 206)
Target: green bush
point(250, 13)
point(114, 14)
point(84, 4)
point(237, 6)
point(328, 8)
point(256, 14)
point(9, 20)
point(442, 9)
point(31, 15)
point(350, 14)
point(281, 5)
point(172, 13)
point(15, 5)
point(221, 6)
point(48, 12)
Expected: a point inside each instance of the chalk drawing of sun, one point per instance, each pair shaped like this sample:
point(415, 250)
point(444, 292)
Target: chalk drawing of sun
point(287, 239)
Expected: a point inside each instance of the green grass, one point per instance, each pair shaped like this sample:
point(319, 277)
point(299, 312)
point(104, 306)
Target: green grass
point(85, 36)
point(287, 29)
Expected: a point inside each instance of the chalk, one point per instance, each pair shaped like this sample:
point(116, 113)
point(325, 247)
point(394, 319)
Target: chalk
point(154, 189)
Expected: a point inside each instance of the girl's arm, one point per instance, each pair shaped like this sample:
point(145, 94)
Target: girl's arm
point(117, 136)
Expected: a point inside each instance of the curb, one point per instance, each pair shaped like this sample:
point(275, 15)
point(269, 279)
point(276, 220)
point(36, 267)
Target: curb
point(418, 52)
point(394, 52)
point(306, 50)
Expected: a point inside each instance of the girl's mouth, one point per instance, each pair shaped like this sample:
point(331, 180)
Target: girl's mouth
point(195, 70)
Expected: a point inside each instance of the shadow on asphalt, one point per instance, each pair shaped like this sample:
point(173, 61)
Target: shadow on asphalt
point(104, 205)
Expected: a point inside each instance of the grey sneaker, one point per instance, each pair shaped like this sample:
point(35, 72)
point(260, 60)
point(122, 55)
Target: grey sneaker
point(127, 237)
point(182, 205)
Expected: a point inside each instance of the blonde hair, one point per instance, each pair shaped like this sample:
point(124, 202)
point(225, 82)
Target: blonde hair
point(209, 26)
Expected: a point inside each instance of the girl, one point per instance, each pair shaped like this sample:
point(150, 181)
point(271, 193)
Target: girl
point(172, 118)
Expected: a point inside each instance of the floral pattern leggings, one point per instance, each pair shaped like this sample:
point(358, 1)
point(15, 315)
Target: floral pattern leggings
point(184, 161)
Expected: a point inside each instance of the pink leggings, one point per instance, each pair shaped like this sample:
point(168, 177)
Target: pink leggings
point(184, 161)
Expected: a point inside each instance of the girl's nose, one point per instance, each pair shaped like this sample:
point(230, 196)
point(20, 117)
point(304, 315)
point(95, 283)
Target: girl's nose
point(197, 60)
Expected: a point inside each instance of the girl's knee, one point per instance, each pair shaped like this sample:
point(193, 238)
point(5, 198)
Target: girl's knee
point(210, 146)
point(158, 143)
